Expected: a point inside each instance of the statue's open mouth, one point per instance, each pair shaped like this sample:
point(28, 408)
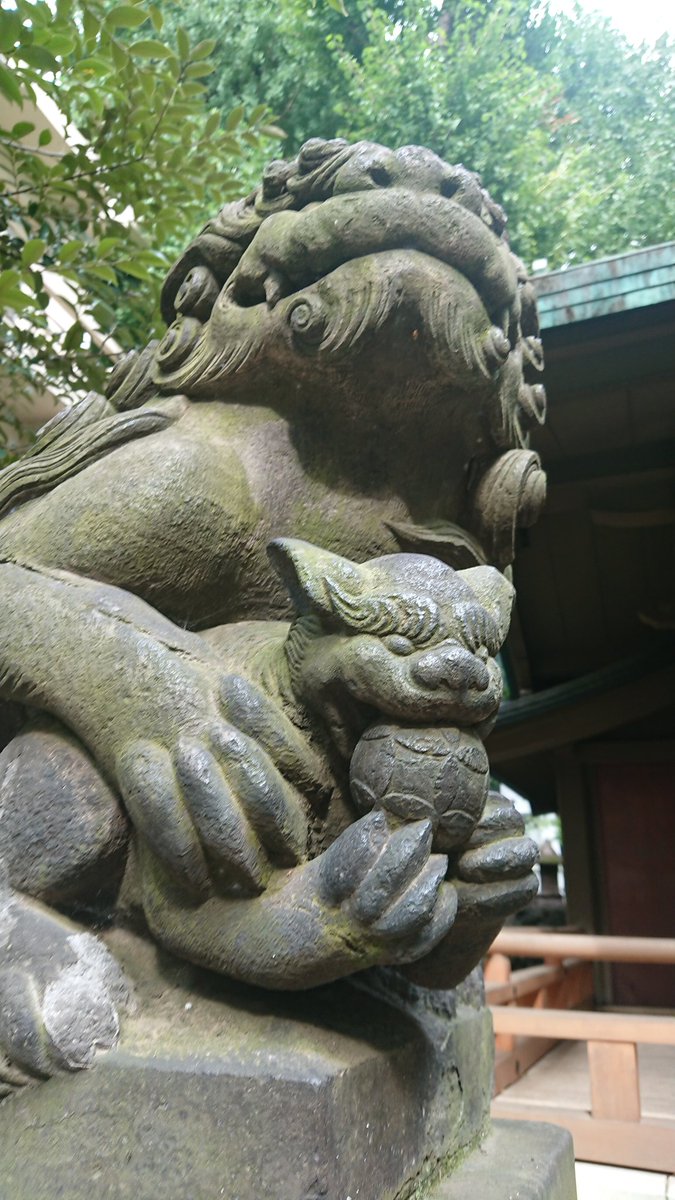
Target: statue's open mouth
point(325, 275)
point(294, 249)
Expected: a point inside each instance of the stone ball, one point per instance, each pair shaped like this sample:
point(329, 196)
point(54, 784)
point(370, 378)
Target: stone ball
point(440, 774)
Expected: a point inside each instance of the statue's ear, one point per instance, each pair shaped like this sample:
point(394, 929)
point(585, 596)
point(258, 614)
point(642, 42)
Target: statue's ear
point(312, 575)
point(496, 595)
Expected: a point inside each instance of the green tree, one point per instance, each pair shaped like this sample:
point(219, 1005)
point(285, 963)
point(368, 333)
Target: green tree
point(569, 125)
point(615, 114)
point(107, 210)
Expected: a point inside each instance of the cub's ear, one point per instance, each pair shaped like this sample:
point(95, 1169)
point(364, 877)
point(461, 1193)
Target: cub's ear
point(496, 595)
point(312, 576)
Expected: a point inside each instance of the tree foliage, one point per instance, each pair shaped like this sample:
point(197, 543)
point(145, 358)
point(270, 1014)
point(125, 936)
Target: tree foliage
point(107, 210)
point(571, 127)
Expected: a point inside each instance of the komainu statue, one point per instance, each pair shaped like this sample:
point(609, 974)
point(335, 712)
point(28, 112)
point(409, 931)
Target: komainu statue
point(250, 603)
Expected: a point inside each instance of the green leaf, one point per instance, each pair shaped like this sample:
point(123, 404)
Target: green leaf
point(156, 17)
point(103, 314)
point(10, 30)
point(150, 48)
point(9, 86)
point(148, 84)
point(11, 295)
point(61, 43)
point(193, 89)
point(45, 137)
point(38, 56)
point(69, 251)
point(234, 118)
point(126, 16)
point(338, 6)
point(101, 271)
point(212, 123)
point(32, 250)
point(107, 244)
point(119, 55)
point(199, 70)
point(203, 49)
point(183, 43)
point(74, 336)
point(131, 266)
point(21, 129)
point(92, 66)
point(91, 26)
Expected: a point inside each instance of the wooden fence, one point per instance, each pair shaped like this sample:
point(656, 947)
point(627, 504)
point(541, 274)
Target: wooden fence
point(535, 1008)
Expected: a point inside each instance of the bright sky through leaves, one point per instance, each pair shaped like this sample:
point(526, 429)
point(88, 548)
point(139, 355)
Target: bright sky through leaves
point(646, 21)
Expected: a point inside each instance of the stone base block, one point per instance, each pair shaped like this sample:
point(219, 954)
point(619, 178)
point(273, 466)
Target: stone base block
point(223, 1091)
point(529, 1160)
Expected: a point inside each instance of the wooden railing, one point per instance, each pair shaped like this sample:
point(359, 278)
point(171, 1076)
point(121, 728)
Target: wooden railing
point(535, 1008)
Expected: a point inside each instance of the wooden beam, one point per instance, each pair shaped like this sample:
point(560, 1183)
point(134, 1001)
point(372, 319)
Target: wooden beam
point(562, 985)
point(519, 983)
point(633, 519)
point(574, 1025)
point(529, 942)
point(622, 461)
point(576, 719)
point(648, 1145)
point(658, 750)
point(615, 1082)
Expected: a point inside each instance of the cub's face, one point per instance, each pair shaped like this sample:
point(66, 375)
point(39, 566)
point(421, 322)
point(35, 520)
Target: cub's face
point(447, 682)
point(404, 634)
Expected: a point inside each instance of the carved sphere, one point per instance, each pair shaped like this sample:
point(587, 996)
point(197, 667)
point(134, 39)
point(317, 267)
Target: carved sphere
point(439, 774)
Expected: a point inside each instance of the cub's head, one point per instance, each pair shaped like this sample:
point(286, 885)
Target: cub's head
point(404, 634)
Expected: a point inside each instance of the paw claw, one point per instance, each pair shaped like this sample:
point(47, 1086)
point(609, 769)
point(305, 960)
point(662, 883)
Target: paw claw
point(510, 858)
point(225, 832)
point(348, 860)
point(150, 793)
point(415, 907)
point(401, 860)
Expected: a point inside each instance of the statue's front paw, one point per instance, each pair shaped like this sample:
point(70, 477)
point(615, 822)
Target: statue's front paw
point(494, 872)
point(60, 992)
point(390, 887)
point(212, 808)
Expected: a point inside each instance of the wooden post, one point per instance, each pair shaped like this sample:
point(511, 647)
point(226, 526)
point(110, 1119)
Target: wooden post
point(615, 1083)
point(498, 970)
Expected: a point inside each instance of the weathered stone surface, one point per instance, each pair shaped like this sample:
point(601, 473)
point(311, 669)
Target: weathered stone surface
point(221, 1091)
point(527, 1160)
point(343, 380)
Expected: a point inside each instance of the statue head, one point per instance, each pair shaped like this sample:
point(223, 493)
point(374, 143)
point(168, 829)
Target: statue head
point(366, 290)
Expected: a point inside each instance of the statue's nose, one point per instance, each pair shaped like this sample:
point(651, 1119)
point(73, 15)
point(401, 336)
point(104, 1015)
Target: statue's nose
point(451, 667)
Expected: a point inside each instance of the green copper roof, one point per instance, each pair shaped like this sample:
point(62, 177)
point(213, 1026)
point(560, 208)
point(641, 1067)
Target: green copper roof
point(609, 285)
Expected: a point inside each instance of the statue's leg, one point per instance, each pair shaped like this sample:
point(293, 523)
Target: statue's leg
point(375, 897)
point(63, 839)
point(63, 832)
point(60, 991)
point(145, 698)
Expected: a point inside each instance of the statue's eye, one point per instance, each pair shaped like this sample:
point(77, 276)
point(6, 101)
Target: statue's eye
point(398, 644)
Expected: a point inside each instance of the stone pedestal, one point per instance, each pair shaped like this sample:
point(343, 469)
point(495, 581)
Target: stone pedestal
point(222, 1091)
point(529, 1160)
